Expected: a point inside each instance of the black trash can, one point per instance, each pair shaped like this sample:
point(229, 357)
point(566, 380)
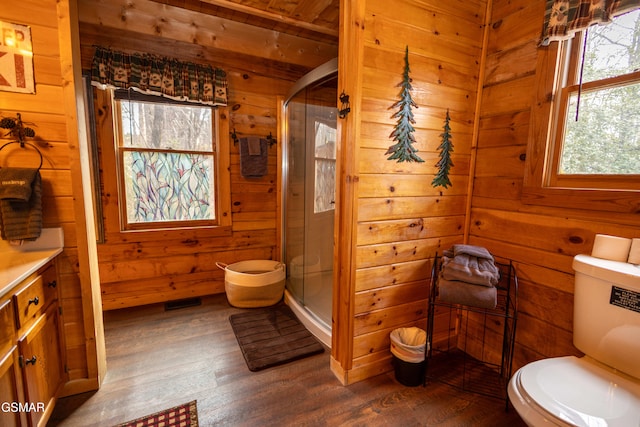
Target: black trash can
point(408, 350)
point(409, 373)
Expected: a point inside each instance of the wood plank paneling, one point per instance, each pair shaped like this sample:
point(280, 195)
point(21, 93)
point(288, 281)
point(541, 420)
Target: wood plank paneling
point(541, 240)
point(402, 221)
point(390, 231)
point(401, 251)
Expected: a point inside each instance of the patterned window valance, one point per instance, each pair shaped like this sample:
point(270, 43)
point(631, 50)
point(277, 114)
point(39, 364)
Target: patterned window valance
point(563, 18)
point(155, 75)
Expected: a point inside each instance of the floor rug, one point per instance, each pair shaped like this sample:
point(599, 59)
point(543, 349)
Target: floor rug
point(272, 336)
point(185, 415)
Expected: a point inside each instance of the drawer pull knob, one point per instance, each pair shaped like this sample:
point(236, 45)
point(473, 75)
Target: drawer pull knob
point(52, 284)
point(31, 361)
point(34, 301)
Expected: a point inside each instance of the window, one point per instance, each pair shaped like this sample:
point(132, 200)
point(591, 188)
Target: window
point(598, 134)
point(166, 157)
point(325, 168)
point(584, 147)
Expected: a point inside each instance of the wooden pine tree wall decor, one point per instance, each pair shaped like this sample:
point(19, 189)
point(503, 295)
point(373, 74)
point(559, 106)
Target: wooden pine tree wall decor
point(445, 163)
point(403, 150)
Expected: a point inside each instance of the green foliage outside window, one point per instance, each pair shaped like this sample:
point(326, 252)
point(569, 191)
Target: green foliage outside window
point(603, 135)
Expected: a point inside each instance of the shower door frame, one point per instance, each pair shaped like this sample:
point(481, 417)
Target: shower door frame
point(323, 71)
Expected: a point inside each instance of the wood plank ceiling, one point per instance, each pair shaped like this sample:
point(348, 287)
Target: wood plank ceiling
point(313, 19)
point(292, 36)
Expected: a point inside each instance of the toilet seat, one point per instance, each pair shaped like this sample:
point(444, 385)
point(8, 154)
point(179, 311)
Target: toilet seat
point(576, 391)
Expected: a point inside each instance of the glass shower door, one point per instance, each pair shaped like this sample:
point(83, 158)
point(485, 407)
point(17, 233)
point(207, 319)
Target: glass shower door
point(309, 206)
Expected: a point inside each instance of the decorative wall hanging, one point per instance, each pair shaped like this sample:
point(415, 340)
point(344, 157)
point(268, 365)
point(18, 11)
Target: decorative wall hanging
point(16, 58)
point(17, 128)
point(154, 75)
point(445, 163)
point(403, 150)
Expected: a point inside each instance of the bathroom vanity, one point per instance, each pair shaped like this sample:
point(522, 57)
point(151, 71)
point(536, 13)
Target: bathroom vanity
point(31, 341)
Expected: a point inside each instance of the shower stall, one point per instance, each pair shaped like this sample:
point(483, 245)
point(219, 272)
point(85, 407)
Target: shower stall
point(308, 179)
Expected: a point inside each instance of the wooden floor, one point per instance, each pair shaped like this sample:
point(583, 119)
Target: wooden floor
point(158, 359)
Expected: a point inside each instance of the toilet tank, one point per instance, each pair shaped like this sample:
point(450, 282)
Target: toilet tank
point(606, 312)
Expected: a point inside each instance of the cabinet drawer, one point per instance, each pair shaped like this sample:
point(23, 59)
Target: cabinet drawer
point(36, 296)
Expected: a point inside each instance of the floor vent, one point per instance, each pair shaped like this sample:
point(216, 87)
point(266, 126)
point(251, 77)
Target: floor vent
point(182, 303)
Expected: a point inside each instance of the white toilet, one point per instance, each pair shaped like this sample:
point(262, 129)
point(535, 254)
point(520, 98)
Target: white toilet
point(603, 387)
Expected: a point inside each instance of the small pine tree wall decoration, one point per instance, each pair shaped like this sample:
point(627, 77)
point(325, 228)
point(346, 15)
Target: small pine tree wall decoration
point(445, 163)
point(403, 150)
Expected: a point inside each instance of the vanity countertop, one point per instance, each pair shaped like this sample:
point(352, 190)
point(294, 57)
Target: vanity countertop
point(18, 262)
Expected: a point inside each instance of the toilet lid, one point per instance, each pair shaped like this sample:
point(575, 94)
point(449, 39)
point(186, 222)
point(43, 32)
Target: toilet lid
point(581, 393)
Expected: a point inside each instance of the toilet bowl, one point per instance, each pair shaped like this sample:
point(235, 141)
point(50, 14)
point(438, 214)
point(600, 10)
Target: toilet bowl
point(572, 391)
point(602, 388)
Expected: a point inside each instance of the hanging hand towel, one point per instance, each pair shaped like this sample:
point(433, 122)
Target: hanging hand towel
point(20, 204)
point(253, 157)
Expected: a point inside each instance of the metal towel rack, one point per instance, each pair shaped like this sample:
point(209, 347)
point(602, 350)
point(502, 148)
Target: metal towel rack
point(22, 144)
point(18, 131)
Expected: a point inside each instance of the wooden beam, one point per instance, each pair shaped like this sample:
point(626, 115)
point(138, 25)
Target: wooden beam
point(173, 23)
point(93, 35)
point(78, 142)
point(263, 14)
point(476, 119)
point(352, 18)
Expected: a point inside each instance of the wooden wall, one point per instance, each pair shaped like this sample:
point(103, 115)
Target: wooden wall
point(46, 110)
point(142, 268)
point(392, 219)
point(541, 240)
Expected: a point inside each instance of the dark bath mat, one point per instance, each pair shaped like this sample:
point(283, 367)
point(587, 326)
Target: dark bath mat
point(272, 336)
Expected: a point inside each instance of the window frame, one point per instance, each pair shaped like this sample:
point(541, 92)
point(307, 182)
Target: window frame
point(541, 186)
point(220, 153)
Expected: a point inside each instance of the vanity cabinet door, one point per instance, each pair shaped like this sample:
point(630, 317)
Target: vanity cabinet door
point(41, 365)
point(11, 391)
